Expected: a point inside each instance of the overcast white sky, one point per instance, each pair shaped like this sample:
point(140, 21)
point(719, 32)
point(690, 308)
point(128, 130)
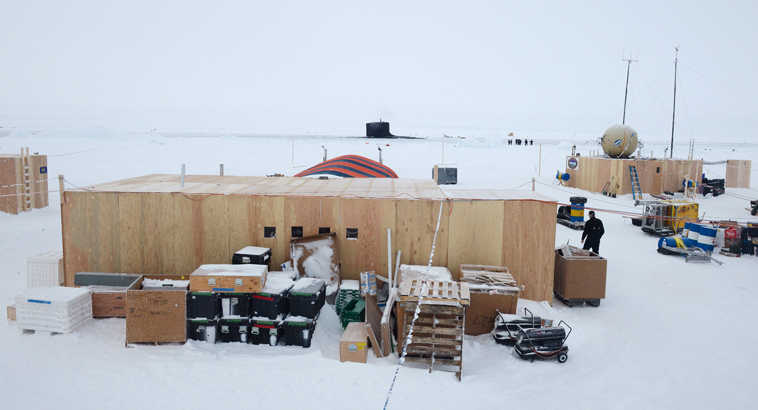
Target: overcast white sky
point(327, 67)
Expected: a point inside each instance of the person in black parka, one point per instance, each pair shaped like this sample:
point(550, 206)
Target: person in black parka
point(593, 231)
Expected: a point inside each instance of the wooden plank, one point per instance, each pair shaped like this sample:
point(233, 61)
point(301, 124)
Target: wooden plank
point(269, 211)
point(375, 345)
point(437, 330)
point(241, 222)
point(8, 174)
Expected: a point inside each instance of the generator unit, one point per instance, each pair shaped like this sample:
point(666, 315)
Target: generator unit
point(667, 217)
point(445, 176)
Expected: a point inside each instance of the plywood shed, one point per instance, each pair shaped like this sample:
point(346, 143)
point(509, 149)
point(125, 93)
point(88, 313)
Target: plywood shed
point(656, 175)
point(23, 181)
point(153, 224)
point(738, 173)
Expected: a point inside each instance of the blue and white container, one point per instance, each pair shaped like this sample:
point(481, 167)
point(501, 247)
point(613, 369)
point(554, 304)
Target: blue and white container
point(694, 232)
point(706, 238)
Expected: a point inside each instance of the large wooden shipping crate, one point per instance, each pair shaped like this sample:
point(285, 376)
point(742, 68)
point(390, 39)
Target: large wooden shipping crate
point(738, 173)
point(655, 175)
point(153, 224)
point(580, 277)
point(23, 182)
point(156, 316)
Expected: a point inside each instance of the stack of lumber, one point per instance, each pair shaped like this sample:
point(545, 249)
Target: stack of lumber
point(486, 277)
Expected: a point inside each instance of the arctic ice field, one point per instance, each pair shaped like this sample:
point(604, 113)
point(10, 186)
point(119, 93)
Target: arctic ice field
point(668, 335)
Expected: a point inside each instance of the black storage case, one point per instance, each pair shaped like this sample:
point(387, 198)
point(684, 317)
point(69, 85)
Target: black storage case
point(298, 332)
point(239, 304)
point(265, 332)
point(252, 255)
point(196, 329)
point(270, 305)
point(233, 330)
point(309, 300)
point(203, 305)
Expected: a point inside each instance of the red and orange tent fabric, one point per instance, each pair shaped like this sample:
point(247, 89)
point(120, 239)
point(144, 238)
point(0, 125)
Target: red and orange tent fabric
point(350, 166)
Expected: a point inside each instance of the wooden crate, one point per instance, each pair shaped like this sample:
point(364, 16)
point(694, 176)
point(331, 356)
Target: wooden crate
point(437, 340)
point(23, 182)
point(156, 316)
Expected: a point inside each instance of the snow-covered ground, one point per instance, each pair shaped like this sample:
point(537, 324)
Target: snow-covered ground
point(668, 334)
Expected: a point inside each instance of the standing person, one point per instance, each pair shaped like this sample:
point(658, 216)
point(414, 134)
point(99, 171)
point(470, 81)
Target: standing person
point(593, 231)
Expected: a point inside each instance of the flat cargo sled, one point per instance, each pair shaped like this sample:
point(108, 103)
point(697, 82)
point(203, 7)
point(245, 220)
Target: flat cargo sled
point(577, 302)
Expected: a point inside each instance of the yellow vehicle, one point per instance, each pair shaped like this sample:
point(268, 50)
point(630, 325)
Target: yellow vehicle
point(667, 217)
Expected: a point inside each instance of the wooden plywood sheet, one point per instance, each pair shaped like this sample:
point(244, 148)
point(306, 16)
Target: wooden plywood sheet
point(369, 250)
point(8, 187)
point(269, 211)
point(738, 173)
point(415, 224)
point(527, 246)
point(475, 234)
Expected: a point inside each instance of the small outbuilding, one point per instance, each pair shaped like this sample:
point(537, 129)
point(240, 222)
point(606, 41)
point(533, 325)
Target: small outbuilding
point(156, 224)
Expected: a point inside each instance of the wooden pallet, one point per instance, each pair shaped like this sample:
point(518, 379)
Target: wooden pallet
point(433, 291)
point(437, 341)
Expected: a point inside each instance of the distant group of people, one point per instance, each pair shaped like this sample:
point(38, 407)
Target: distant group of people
point(519, 141)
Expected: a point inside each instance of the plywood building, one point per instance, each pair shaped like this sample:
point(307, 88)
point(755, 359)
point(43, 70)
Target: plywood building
point(153, 224)
point(23, 182)
point(738, 173)
point(655, 175)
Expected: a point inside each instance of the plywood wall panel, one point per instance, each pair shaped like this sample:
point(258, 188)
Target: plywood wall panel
point(77, 245)
point(242, 230)
point(528, 246)
point(475, 234)
point(269, 211)
point(8, 199)
point(132, 235)
point(738, 173)
point(415, 224)
point(369, 251)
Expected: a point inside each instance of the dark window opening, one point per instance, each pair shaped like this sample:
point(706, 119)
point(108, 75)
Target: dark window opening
point(657, 170)
point(352, 233)
point(324, 230)
point(269, 232)
point(297, 231)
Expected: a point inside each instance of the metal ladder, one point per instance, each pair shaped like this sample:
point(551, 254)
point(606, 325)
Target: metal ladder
point(636, 189)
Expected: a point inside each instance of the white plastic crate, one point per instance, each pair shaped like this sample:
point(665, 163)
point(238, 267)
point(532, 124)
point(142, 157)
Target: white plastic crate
point(44, 270)
point(53, 309)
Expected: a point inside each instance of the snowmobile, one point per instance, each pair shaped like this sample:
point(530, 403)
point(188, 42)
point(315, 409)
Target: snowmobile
point(543, 343)
point(507, 326)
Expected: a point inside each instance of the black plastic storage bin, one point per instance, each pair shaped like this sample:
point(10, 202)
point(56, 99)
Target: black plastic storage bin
point(234, 304)
point(202, 329)
point(298, 332)
point(252, 255)
point(272, 300)
point(306, 297)
point(203, 305)
point(233, 330)
point(265, 332)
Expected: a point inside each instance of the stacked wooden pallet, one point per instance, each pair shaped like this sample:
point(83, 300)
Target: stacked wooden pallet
point(437, 333)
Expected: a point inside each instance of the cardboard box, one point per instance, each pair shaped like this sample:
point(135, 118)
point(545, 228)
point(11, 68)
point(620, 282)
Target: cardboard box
point(480, 314)
point(228, 278)
point(156, 316)
point(580, 277)
point(11, 313)
point(353, 346)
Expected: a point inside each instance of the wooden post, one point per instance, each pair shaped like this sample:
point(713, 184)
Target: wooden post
point(60, 187)
point(539, 169)
point(221, 169)
point(532, 184)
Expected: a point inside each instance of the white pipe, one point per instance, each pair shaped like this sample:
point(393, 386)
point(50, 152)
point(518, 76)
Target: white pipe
point(184, 168)
point(397, 266)
point(389, 256)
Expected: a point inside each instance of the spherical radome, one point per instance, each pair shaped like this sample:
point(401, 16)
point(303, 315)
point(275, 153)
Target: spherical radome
point(619, 141)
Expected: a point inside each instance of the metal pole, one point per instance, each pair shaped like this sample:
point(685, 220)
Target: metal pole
point(673, 111)
point(629, 62)
point(389, 257)
point(184, 168)
point(532, 184)
point(221, 169)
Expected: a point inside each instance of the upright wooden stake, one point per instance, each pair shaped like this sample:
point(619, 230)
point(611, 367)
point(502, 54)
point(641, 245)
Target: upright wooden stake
point(532, 184)
point(60, 187)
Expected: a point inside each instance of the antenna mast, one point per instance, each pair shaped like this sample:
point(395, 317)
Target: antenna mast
point(673, 113)
point(629, 62)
